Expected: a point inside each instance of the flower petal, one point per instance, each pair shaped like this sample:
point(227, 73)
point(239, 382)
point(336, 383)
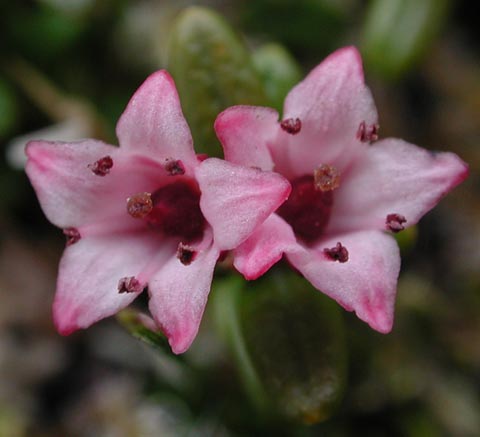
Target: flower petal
point(244, 132)
point(90, 269)
point(71, 195)
point(153, 122)
point(366, 283)
point(178, 295)
point(264, 247)
point(236, 199)
point(330, 102)
point(394, 177)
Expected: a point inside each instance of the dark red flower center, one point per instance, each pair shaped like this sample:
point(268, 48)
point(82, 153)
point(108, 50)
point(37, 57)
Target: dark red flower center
point(173, 209)
point(308, 208)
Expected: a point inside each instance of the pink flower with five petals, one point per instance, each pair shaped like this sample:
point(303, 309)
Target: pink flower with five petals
point(148, 214)
point(349, 191)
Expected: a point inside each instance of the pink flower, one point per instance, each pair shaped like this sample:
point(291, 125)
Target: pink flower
point(349, 192)
point(149, 213)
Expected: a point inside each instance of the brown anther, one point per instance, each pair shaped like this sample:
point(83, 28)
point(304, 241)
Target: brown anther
point(101, 167)
point(72, 235)
point(186, 254)
point(367, 134)
point(140, 205)
point(338, 253)
point(291, 125)
point(129, 284)
point(326, 178)
point(174, 167)
point(395, 222)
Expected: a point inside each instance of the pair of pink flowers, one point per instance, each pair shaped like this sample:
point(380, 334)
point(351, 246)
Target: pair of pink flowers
point(315, 187)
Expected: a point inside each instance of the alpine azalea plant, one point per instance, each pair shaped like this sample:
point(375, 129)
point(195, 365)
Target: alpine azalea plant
point(149, 214)
point(350, 192)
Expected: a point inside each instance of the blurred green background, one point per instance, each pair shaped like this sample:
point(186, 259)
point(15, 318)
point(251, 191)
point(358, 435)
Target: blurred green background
point(67, 70)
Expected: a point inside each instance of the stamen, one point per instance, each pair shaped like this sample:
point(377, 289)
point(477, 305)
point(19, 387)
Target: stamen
point(338, 253)
point(326, 178)
point(174, 167)
point(129, 284)
point(395, 222)
point(367, 134)
point(72, 235)
point(186, 254)
point(140, 205)
point(291, 125)
point(101, 167)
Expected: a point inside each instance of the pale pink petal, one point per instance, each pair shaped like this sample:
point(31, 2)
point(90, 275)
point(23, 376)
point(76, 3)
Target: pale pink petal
point(366, 283)
point(264, 247)
point(244, 132)
point(330, 102)
point(153, 122)
point(89, 273)
point(236, 199)
point(394, 177)
point(72, 195)
point(178, 295)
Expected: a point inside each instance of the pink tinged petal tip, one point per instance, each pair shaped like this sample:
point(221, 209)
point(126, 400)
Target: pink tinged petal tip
point(178, 295)
point(153, 122)
point(89, 273)
point(330, 102)
point(394, 177)
point(236, 200)
point(264, 247)
point(102, 167)
point(365, 284)
point(291, 125)
point(245, 132)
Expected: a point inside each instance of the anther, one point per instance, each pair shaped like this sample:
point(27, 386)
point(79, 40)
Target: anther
point(338, 253)
point(367, 134)
point(140, 205)
point(395, 222)
point(129, 284)
point(174, 167)
point(291, 125)
point(101, 167)
point(326, 178)
point(72, 235)
point(186, 254)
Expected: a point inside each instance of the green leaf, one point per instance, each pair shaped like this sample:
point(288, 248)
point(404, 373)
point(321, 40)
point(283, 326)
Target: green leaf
point(289, 343)
point(398, 32)
point(212, 70)
point(279, 72)
point(132, 321)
